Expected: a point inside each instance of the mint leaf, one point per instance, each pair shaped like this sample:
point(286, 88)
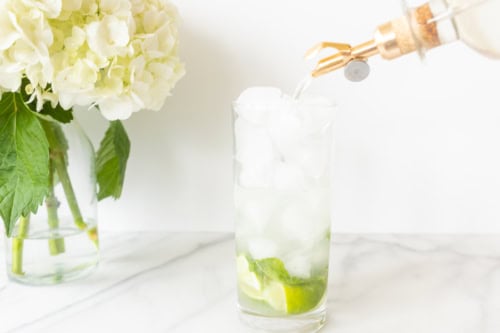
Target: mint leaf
point(271, 268)
point(111, 161)
point(24, 160)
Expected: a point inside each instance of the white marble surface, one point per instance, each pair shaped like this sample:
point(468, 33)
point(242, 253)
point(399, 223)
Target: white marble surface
point(185, 283)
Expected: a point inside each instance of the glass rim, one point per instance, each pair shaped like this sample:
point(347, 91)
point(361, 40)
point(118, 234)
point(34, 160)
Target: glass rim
point(329, 104)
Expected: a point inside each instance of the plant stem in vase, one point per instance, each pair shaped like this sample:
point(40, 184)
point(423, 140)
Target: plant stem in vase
point(58, 148)
point(18, 245)
point(56, 245)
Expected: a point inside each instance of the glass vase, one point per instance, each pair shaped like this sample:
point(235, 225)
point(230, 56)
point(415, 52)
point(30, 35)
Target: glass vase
point(282, 209)
point(3, 274)
point(59, 242)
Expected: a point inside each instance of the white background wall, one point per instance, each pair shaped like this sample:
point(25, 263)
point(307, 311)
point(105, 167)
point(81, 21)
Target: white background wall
point(417, 145)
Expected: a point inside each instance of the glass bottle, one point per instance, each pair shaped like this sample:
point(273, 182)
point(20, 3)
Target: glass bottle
point(424, 27)
point(474, 22)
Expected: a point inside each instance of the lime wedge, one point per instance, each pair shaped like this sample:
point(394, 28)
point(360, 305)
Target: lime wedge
point(293, 299)
point(275, 296)
point(248, 281)
point(305, 297)
point(267, 280)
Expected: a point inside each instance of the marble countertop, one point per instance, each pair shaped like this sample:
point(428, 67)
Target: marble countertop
point(185, 283)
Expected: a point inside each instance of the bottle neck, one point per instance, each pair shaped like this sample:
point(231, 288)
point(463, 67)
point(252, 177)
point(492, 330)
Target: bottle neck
point(442, 16)
point(423, 28)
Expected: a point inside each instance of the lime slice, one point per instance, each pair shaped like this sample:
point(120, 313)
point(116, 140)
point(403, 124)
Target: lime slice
point(305, 297)
point(267, 280)
point(275, 296)
point(248, 281)
point(294, 299)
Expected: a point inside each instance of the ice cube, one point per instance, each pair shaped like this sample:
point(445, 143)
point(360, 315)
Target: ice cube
point(254, 208)
point(253, 113)
point(253, 143)
point(288, 176)
point(285, 129)
point(260, 177)
point(316, 115)
point(254, 151)
point(295, 220)
point(252, 140)
point(318, 199)
point(302, 221)
point(298, 266)
point(321, 252)
point(261, 248)
point(274, 134)
point(312, 155)
point(259, 96)
point(255, 104)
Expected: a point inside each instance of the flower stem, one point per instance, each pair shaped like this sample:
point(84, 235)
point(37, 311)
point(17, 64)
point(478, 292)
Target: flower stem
point(18, 245)
point(57, 154)
point(56, 245)
point(68, 190)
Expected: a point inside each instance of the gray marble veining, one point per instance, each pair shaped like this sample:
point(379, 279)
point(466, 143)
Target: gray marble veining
point(185, 283)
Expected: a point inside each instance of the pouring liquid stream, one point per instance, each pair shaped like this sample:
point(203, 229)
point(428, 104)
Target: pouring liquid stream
point(301, 87)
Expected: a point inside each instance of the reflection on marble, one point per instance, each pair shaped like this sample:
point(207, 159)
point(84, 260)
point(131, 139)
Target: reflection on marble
point(3, 283)
point(3, 275)
point(185, 283)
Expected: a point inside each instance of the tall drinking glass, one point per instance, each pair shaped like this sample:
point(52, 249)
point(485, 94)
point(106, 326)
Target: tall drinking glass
point(282, 209)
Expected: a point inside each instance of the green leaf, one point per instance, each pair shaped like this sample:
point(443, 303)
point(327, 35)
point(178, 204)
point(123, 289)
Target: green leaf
point(48, 112)
point(24, 160)
point(273, 269)
point(57, 142)
point(111, 161)
point(44, 117)
point(58, 113)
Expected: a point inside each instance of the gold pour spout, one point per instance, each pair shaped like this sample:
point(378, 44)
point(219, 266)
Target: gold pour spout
point(416, 31)
point(345, 56)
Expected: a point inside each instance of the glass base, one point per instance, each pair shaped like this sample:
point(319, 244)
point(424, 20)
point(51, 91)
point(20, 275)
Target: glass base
point(305, 323)
point(52, 256)
point(3, 277)
point(59, 274)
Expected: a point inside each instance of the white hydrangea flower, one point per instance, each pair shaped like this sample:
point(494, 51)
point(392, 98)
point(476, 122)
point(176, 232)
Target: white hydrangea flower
point(120, 55)
point(71, 5)
point(9, 33)
point(108, 37)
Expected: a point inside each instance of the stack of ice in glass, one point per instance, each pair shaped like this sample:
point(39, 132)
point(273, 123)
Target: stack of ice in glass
point(282, 151)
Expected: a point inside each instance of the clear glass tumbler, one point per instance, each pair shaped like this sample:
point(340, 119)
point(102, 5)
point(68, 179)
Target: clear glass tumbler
point(282, 209)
